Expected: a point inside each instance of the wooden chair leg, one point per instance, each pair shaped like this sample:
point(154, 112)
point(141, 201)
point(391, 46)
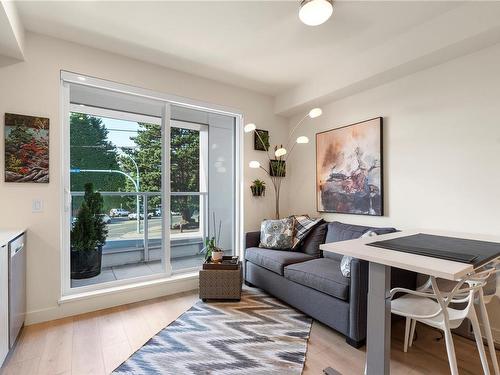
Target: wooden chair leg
point(479, 340)
point(450, 349)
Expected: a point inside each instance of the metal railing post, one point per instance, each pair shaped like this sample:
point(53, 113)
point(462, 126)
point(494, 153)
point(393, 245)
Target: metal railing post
point(146, 229)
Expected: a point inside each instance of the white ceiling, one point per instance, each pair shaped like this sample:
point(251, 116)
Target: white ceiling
point(258, 45)
point(262, 45)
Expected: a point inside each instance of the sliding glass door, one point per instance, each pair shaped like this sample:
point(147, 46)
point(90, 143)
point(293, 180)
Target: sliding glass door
point(164, 178)
point(118, 154)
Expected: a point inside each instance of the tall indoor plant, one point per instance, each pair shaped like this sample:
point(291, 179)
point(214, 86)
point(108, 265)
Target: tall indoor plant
point(88, 236)
point(277, 166)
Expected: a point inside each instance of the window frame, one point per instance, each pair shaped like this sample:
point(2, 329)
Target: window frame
point(68, 78)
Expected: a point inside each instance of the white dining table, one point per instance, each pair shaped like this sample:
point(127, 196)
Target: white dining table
point(378, 336)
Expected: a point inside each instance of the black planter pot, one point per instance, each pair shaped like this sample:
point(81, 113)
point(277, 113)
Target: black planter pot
point(258, 191)
point(86, 263)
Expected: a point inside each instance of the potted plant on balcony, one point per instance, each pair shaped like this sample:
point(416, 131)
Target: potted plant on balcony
point(258, 188)
point(88, 236)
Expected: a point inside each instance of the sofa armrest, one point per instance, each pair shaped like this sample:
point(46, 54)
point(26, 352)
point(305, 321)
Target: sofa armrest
point(252, 239)
point(358, 299)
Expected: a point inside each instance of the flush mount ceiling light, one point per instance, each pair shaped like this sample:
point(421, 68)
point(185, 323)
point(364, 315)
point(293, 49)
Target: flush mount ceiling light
point(315, 12)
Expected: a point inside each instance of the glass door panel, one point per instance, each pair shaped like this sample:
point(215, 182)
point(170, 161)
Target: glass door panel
point(221, 198)
point(120, 154)
point(188, 143)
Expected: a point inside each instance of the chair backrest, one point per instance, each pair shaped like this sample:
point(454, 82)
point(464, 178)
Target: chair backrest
point(473, 282)
point(462, 293)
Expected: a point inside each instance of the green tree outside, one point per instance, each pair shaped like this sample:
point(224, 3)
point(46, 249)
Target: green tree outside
point(91, 149)
point(184, 166)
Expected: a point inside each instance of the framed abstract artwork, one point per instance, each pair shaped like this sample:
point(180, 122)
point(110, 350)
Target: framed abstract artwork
point(349, 169)
point(26, 148)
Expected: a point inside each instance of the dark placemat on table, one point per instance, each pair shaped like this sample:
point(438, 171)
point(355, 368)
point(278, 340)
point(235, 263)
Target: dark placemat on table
point(461, 250)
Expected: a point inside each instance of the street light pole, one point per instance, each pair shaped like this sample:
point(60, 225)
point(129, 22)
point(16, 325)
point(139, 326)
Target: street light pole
point(137, 179)
point(135, 183)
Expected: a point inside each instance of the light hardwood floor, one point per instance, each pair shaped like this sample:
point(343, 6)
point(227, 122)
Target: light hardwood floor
point(96, 343)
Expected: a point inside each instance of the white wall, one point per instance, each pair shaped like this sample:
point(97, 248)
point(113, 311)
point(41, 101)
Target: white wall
point(32, 88)
point(441, 149)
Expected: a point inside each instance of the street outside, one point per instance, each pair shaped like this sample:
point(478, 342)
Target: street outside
point(122, 228)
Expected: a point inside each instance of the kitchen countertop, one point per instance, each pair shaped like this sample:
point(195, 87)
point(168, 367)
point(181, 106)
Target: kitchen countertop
point(9, 234)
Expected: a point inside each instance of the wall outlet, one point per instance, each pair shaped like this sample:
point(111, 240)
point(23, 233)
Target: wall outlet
point(37, 206)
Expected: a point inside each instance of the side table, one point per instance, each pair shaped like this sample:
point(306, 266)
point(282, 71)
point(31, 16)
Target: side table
point(221, 284)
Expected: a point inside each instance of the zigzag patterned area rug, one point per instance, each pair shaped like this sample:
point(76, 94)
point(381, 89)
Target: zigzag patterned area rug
point(258, 335)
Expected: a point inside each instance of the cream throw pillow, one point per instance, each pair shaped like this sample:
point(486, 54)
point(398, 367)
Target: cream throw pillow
point(345, 263)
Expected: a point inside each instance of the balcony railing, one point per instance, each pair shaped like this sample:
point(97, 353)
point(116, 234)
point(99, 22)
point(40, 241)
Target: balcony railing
point(135, 230)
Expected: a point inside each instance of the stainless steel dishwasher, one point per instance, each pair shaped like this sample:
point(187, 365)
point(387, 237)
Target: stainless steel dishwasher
point(17, 287)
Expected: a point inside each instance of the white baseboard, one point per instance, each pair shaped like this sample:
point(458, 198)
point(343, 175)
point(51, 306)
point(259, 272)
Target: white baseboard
point(99, 302)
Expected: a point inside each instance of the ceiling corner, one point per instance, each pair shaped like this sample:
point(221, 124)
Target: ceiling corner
point(11, 31)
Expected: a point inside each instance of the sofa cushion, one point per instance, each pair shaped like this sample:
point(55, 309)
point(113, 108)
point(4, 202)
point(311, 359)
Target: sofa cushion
point(274, 260)
point(338, 231)
point(277, 234)
point(302, 226)
point(345, 263)
point(315, 237)
point(321, 274)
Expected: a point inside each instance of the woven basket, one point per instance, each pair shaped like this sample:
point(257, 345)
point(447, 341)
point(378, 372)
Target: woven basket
point(221, 284)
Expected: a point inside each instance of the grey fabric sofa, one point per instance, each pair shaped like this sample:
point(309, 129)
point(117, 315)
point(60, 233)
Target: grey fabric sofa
point(313, 283)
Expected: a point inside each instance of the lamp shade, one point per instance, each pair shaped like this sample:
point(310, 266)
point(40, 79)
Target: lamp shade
point(315, 112)
point(254, 164)
point(249, 128)
point(302, 139)
point(315, 12)
point(280, 152)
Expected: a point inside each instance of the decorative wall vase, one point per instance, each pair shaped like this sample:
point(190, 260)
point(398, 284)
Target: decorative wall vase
point(277, 168)
point(261, 140)
point(258, 191)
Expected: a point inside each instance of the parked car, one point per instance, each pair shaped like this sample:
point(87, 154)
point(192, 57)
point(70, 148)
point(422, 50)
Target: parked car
point(105, 218)
point(118, 212)
point(133, 215)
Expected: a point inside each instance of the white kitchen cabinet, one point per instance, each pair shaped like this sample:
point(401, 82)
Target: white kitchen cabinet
point(4, 305)
point(11, 314)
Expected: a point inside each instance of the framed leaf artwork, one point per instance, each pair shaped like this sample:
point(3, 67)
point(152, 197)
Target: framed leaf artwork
point(26, 148)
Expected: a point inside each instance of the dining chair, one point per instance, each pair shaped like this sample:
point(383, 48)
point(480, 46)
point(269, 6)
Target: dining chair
point(486, 273)
point(432, 308)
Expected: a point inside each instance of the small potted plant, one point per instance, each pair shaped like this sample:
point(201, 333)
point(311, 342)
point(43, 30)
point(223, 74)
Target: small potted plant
point(212, 250)
point(88, 236)
point(258, 188)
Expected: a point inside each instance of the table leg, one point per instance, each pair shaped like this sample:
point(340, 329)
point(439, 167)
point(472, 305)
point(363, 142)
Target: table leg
point(378, 336)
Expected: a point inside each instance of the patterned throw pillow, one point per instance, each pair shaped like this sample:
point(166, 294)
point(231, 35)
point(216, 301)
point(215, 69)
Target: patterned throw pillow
point(302, 226)
point(345, 263)
point(276, 234)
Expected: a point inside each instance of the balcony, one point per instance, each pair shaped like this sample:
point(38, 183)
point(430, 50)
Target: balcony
point(134, 243)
